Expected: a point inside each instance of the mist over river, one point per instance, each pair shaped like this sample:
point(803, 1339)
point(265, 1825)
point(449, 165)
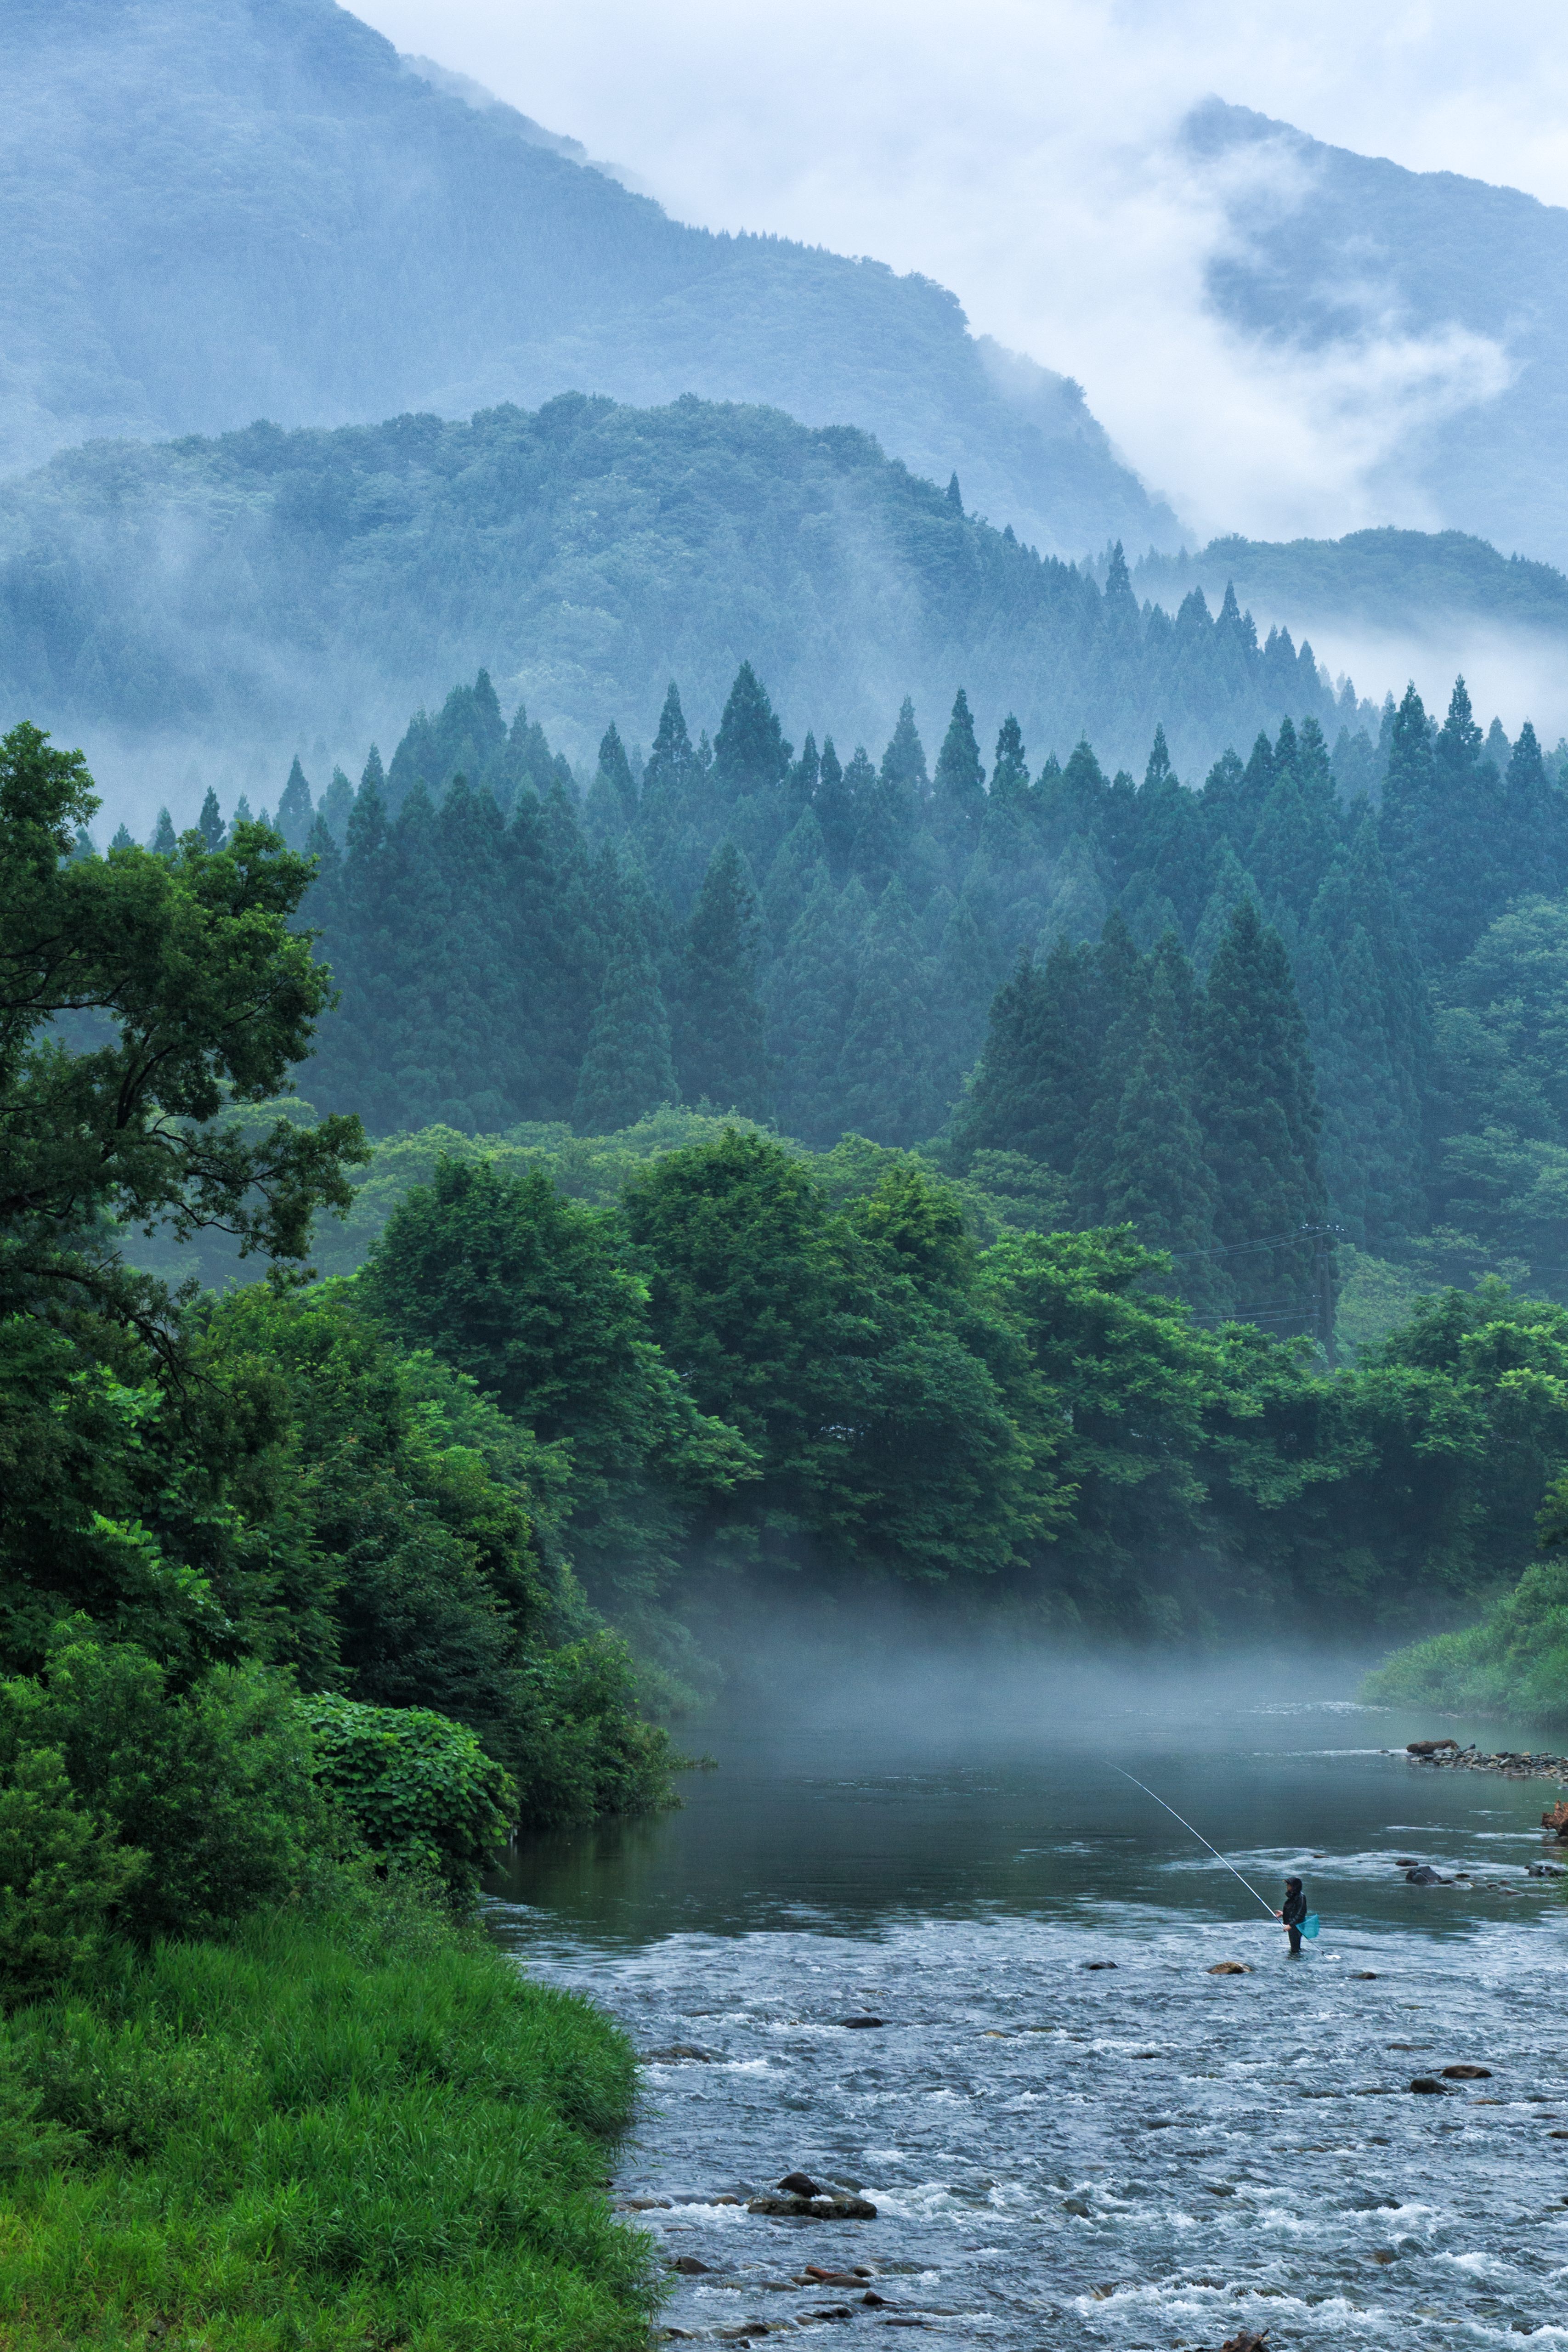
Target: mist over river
point(1063, 2154)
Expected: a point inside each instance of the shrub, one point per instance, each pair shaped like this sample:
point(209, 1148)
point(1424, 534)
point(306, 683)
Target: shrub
point(419, 1788)
point(212, 1787)
point(61, 1875)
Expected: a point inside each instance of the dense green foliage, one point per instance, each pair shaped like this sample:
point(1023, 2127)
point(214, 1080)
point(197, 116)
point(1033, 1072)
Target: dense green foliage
point(342, 2123)
point(416, 1786)
point(826, 940)
point(903, 1378)
point(207, 1505)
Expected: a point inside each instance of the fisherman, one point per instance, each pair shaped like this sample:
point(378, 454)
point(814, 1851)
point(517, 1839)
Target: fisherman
point(1293, 1913)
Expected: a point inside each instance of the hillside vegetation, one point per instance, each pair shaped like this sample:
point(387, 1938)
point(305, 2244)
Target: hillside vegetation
point(267, 587)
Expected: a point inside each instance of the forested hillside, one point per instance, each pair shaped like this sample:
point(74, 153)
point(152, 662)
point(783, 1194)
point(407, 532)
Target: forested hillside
point(1389, 581)
point(259, 211)
point(1230, 1012)
point(1328, 250)
point(266, 588)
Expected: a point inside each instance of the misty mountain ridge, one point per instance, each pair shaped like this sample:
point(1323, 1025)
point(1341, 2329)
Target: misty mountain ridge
point(194, 609)
point(261, 210)
point(1330, 252)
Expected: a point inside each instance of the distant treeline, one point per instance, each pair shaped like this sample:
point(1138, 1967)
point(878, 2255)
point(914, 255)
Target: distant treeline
point(1297, 1010)
point(230, 592)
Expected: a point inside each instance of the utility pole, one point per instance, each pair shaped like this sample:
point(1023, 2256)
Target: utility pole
point(1323, 1270)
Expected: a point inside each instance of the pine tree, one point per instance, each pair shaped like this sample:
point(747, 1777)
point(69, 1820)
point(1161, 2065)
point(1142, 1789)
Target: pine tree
point(1174, 847)
point(210, 824)
point(965, 980)
point(295, 809)
point(1034, 1084)
point(720, 1051)
point(960, 784)
point(1533, 843)
point(1010, 775)
point(611, 806)
point(954, 495)
point(749, 755)
point(334, 806)
point(885, 1075)
point(123, 839)
point(1365, 1005)
point(1257, 1106)
point(1115, 1018)
point(1158, 1180)
point(800, 865)
point(374, 779)
point(835, 809)
point(810, 991)
point(628, 1070)
point(164, 842)
point(904, 761)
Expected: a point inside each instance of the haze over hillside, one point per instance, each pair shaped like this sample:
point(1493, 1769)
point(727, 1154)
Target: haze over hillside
point(195, 610)
point(254, 208)
point(1331, 254)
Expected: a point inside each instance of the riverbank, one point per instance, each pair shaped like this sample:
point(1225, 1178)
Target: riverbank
point(1524, 1766)
point(347, 2124)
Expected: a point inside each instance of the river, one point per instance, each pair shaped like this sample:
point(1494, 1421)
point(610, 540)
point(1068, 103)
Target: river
point(1064, 2154)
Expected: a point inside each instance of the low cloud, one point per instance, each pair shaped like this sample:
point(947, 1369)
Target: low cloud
point(1030, 158)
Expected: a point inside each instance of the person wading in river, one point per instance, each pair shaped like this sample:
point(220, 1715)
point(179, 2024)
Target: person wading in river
point(1293, 1913)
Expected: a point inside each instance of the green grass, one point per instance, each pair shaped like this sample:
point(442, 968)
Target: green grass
point(351, 2127)
point(1514, 1663)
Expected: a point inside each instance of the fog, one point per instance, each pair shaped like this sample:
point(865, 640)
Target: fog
point(1029, 158)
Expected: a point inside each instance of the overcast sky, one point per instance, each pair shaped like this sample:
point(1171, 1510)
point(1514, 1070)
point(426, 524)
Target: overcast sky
point(1021, 154)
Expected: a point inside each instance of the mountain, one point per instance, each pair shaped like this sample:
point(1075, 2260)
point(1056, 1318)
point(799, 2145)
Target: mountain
point(1330, 252)
point(255, 208)
point(194, 606)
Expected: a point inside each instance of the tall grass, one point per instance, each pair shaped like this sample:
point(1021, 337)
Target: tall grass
point(345, 2125)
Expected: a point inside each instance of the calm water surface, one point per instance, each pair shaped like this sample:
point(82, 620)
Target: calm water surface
point(1063, 2156)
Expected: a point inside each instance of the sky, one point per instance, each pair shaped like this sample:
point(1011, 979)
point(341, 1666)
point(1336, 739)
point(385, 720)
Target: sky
point(1023, 155)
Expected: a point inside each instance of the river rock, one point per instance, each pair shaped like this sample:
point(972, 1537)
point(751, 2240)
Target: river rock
point(683, 2050)
point(1429, 1747)
point(1428, 2084)
point(1230, 1969)
point(1468, 2073)
point(813, 2274)
point(690, 2267)
point(800, 2184)
point(1425, 1876)
point(1246, 2342)
point(787, 2208)
point(1557, 1820)
point(1099, 1964)
point(1364, 1976)
point(859, 2024)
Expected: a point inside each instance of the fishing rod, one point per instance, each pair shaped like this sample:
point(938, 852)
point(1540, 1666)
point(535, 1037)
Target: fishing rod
point(1200, 1837)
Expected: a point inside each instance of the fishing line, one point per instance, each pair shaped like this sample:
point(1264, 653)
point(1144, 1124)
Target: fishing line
point(1198, 1834)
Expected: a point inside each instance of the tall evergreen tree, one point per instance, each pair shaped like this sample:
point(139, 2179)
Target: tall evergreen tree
point(295, 809)
point(210, 824)
point(801, 863)
point(810, 993)
point(1010, 774)
point(1257, 1106)
point(1158, 1180)
point(834, 807)
point(628, 1070)
point(611, 807)
point(1533, 839)
point(886, 1080)
point(1034, 1085)
point(720, 1051)
point(749, 755)
point(960, 782)
point(164, 842)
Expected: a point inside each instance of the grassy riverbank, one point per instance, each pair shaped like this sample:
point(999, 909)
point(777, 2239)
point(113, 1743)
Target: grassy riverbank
point(343, 2125)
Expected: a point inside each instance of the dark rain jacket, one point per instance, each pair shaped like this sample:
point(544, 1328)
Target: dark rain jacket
point(1295, 1909)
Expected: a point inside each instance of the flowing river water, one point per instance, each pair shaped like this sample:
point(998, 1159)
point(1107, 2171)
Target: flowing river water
point(1063, 2153)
